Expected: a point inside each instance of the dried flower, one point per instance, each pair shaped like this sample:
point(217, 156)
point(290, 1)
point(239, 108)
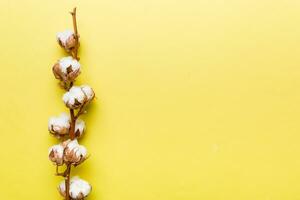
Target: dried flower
point(66, 69)
point(78, 96)
point(74, 153)
point(79, 189)
point(56, 154)
point(66, 40)
point(59, 126)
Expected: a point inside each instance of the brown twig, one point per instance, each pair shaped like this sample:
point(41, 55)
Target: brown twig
point(73, 123)
point(67, 180)
point(74, 54)
point(76, 35)
point(80, 111)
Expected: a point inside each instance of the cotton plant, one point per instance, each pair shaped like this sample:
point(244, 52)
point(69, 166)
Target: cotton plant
point(69, 127)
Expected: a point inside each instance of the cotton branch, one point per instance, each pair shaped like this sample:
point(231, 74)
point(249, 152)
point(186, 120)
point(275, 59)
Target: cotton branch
point(69, 153)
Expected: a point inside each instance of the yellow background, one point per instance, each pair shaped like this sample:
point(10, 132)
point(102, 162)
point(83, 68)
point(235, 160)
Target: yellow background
point(196, 99)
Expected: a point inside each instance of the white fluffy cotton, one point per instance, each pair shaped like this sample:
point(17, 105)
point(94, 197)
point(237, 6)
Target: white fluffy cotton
point(64, 36)
point(58, 149)
point(62, 188)
point(79, 150)
point(75, 93)
point(78, 188)
point(88, 91)
point(57, 124)
point(66, 62)
point(78, 94)
point(56, 154)
point(79, 126)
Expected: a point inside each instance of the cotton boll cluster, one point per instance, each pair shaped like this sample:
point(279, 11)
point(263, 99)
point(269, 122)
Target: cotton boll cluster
point(66, 69)
point(60, 126)
point(79, 188)
point(66, 40)
point(69, 152)
point(78, 96)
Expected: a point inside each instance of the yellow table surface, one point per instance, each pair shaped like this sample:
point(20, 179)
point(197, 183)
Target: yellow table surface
point(196, 99)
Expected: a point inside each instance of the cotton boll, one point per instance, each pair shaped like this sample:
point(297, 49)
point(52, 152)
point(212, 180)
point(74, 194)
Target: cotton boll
point(56, 154)
point(88, 91)
point(66, 62)
point(64, 36)
point(78, 96)
point(66, 69)
point(79, 188)
point(59, 126)
point(66, 40)
point(74, 98)
point(79, 128)
point(62, 188)
point(74, 153)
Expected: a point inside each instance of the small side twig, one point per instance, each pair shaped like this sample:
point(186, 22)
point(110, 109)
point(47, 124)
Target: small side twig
point(80, 111)
point(59, 173)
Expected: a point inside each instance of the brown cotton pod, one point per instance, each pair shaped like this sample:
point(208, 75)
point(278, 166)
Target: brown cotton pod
point(74, 153)
point(67, 40)
point(73, 157)
point(58, 74)
point(66, 69)
point(78, 96)
point(61, 191)
point(56, 154)
point(70, 43)
point(80, 196)
point(59, 125)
